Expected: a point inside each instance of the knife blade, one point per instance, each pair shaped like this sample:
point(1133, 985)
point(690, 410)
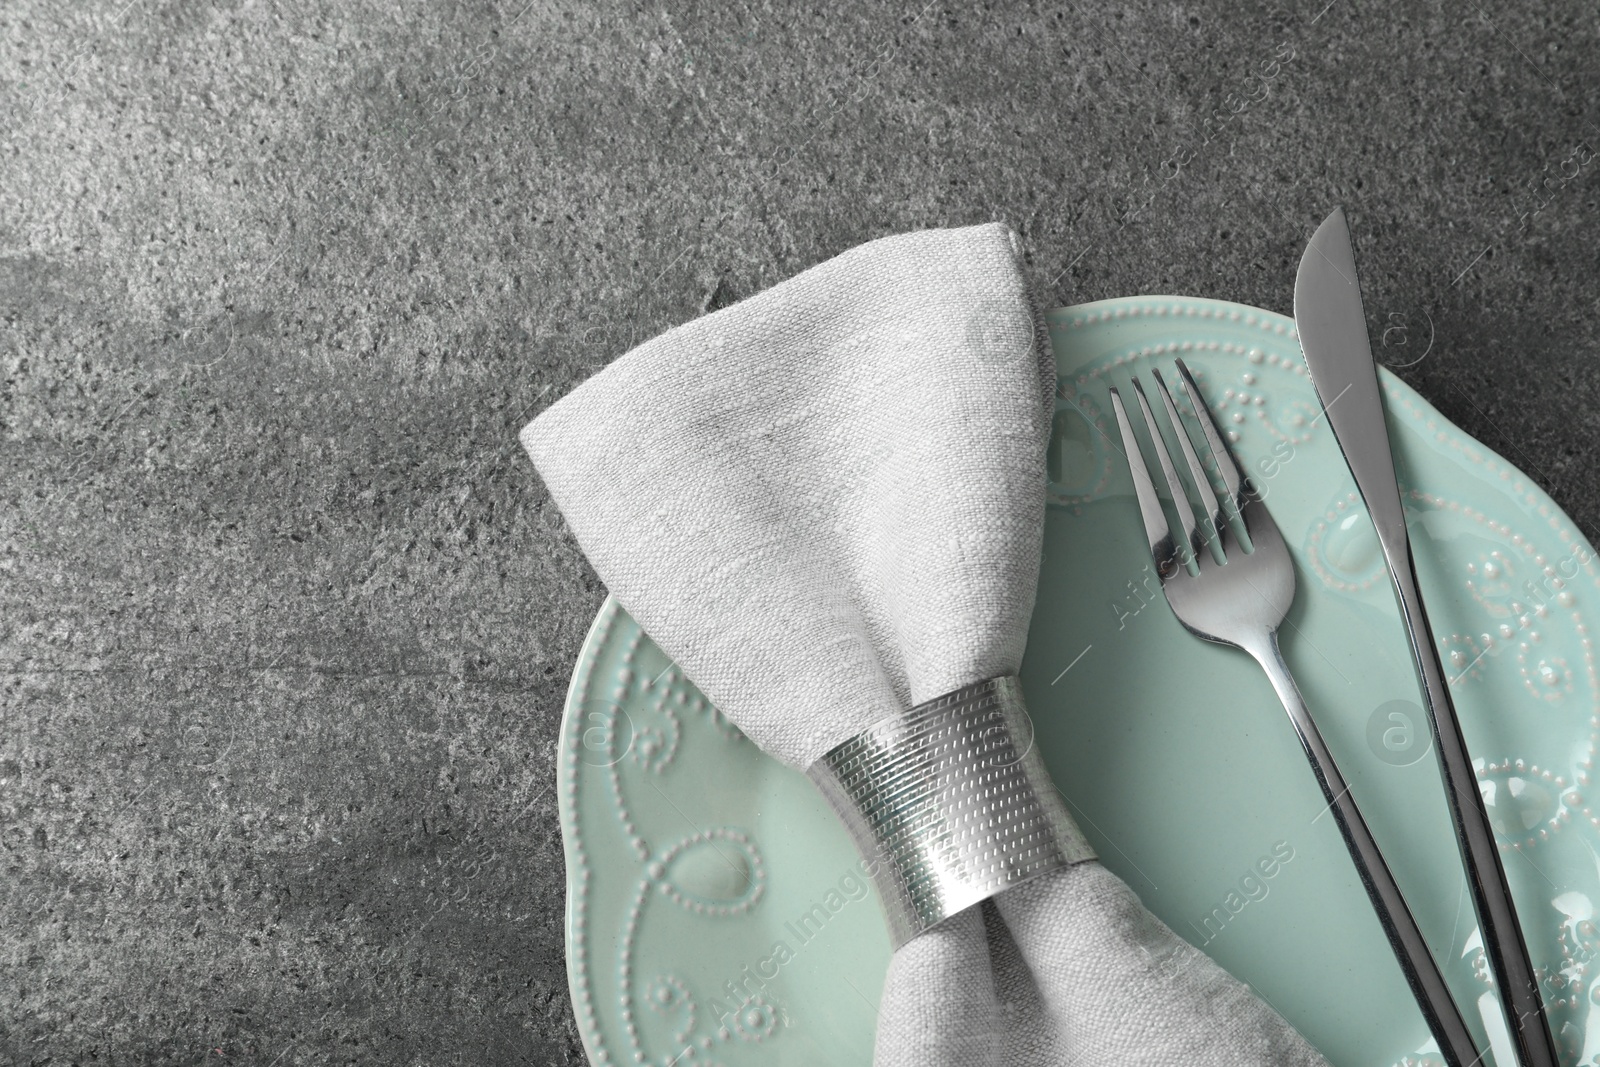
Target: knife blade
point(1332, 327)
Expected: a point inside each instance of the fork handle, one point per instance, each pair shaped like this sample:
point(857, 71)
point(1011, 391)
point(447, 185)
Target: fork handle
point(1422, 973)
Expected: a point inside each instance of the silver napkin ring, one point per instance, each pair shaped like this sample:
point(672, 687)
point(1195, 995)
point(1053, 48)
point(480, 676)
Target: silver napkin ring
point(946, 807)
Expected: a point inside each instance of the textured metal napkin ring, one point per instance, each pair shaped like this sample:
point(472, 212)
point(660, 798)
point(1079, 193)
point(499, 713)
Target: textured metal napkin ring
point(946, 805)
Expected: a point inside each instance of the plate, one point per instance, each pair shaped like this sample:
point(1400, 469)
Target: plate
point(716, 913)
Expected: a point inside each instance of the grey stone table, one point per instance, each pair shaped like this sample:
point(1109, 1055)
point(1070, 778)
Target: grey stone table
point(287, 615)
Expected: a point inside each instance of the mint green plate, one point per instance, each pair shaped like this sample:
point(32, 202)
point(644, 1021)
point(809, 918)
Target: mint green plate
point(715, 914)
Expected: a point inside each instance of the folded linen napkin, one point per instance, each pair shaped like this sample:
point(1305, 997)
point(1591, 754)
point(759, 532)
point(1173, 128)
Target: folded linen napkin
point(826, 504)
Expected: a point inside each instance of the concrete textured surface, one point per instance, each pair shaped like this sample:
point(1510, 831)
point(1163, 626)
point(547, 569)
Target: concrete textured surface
point(288, 617)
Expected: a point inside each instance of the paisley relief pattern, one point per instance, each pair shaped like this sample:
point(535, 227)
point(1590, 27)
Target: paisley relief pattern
point(628, 740)
point(1524, 578)
point(1526, 588)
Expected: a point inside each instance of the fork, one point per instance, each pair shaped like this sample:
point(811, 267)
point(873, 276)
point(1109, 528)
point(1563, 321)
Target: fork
point(1238, 595)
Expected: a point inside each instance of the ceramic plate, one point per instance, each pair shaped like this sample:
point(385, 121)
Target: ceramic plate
point(715, 912)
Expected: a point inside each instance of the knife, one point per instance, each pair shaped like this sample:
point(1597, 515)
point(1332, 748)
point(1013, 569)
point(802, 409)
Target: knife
point(1333, 336)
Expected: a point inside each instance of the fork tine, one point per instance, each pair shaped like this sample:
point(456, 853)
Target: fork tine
point(1232, 477)
point(1202, 481)
point(1155, 520)
point(1180, 496)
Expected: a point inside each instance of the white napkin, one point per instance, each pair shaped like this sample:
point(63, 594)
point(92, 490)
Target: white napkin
point(826, 504)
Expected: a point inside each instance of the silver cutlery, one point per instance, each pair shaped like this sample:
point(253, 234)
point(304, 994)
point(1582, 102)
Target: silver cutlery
point(1239, 597)
point(1333, 336)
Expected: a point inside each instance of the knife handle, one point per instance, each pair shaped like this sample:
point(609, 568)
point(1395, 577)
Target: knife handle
point(1501, 931)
